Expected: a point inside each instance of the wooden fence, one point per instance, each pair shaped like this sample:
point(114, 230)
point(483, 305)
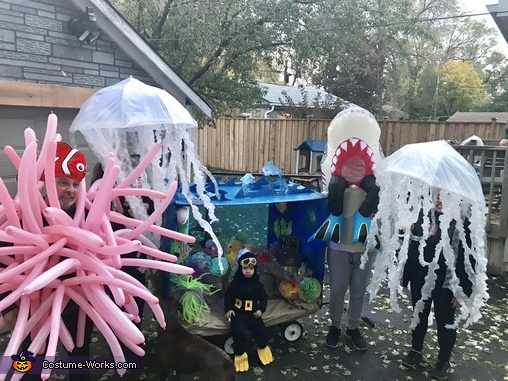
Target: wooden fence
point(247, 144)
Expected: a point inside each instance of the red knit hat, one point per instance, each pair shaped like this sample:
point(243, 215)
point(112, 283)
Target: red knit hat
point(69, 162)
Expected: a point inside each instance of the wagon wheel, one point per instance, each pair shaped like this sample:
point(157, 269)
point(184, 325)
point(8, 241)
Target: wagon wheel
point(292, 331)
point(228, 346)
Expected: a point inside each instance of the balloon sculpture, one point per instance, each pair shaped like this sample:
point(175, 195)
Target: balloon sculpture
point(85, 245)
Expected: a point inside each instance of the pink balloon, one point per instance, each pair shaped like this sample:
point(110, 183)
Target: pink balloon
point(159, 265)
point(125, 248)
point(131, 192)
point(76, 236)
point(150, 251)
point(7, 260)
point(106, 331)
point(133, 347)
point(17, 334)
point(131, 177)
point(38, 315)
point(13, 250)
point(65, 337)
point(56, 317)
point(4, 237)
point(51, 126)
point(40, 338)
point(29, 136)
point(8, 205)
point(134, 318)
point(80, 333)
point(158, 211)
point(36, 259)
point(109, 235)
point(27, 236)
point(98, 267)
point(103, 199)
point(126, 286)
point(51, 274)
point(13, 156)
point(49, 175)
point(131, 306)
point(158, 313)
point(118, 321)
point(79, 216)
point(26, 183)
point(121, 219)
point(59, 216)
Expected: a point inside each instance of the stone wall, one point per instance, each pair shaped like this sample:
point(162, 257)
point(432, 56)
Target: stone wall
point(36, 46)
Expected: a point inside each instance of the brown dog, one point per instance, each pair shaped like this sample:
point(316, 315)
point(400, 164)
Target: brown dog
point(185, 353)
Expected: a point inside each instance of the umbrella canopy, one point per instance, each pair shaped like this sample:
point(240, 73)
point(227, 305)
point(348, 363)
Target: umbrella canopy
point(129, 104)
point(437, 164)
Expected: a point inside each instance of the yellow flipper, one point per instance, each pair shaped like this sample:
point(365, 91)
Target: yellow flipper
point(265, 355)
point(242, 363)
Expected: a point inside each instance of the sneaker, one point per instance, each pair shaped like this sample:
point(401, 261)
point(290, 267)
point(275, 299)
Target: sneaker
point(333, 337)
point(440, 372)
point(412, 358)
point(356, 338)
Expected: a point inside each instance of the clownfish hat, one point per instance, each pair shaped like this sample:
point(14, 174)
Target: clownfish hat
point(69, 162)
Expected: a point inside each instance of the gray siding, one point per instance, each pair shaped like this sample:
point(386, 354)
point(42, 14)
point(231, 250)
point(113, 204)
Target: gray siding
point(36, 46)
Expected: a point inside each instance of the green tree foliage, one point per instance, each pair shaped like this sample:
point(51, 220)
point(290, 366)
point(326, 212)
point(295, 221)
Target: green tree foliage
point(369, 52)
point(216, 46)
point(460, 86)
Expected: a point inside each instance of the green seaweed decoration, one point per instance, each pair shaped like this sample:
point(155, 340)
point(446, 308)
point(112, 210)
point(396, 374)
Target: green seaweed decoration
point(193, 302)
point(281, 226)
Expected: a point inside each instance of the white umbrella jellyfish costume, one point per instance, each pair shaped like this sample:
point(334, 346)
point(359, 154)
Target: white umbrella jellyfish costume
point(127, 118)
point(408, 179)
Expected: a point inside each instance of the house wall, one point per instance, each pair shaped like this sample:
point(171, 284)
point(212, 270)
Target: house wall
point(47, 69)
point(36, 46)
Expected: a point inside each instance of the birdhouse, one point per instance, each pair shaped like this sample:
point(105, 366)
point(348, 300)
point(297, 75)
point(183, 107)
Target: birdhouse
point(308, 156)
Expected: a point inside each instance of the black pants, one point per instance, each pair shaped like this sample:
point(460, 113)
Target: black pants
point(241, 324)
point(70, 319)
point(444, 314)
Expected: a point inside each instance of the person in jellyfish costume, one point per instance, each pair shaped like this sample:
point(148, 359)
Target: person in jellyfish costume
point(126, 119)
point(410, 181)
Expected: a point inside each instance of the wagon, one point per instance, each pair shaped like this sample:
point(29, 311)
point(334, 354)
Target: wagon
point(279, 218)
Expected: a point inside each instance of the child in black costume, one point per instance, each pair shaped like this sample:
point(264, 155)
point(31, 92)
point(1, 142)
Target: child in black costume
point(245, 301)
point(442, 297)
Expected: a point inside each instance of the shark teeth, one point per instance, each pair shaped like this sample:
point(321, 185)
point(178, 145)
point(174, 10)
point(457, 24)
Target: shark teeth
point(363, 145)
point(344, 146)
point(354, 141)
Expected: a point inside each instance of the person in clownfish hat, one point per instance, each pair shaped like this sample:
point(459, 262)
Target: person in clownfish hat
point(245, 302)
point(70, 170)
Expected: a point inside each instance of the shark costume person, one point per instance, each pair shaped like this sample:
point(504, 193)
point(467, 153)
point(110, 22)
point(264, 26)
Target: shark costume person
point(348, 177)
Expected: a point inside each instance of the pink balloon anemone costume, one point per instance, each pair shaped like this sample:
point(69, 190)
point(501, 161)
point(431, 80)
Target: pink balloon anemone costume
point(85, 245)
